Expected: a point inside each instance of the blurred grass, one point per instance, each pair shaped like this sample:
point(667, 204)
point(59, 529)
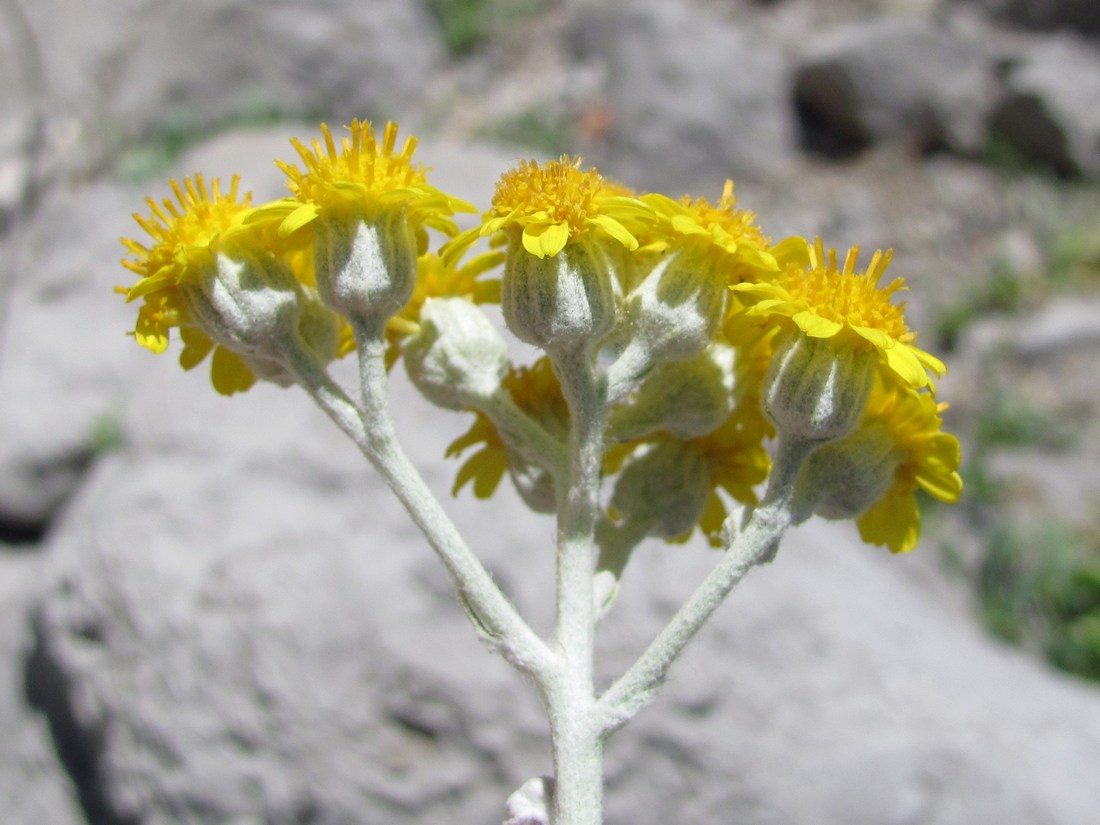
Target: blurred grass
point(1072, 265)
point(1039, 587)
point(180, 128)
point(467, 25)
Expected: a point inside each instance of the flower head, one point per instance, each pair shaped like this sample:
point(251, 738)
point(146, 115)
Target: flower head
point(187, 234)
point(720, 233)
point(927, 459)
point(361, 178)
point(555, 203)
point(816, 298)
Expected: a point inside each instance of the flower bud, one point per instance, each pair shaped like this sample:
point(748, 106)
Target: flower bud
point(247, 303)
point(561, 301)
point(366, 269)
point(533, 483)
point(841, 480)
point(675, 311)
point(816, 392)
point(457, 358)
point(667, 487)
point(688, 398)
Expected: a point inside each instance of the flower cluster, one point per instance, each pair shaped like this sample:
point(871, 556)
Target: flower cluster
point(709, 338)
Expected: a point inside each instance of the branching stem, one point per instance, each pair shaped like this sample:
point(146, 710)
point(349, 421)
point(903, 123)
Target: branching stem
point(371, 428)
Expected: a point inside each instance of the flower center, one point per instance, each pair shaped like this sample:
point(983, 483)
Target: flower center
point(737, 223)
point(847, 297)
point(360, 163)
point(557, 189)
point(185, 228)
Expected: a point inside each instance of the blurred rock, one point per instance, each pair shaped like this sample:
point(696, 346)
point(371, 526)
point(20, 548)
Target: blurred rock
point(275, 645)
point(905, 79)
point(1050, 112)
point(1044, 15)
point(235, 637)
point(692, 99)
point(61, 376)
point(19, 101)
point(164, 67)
point(33, 784)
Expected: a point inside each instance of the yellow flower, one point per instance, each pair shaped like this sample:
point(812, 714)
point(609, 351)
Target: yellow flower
point(361, 178)
point(721, 233)
point(928, 460)
point(737, 461)
point(847, 307)
point(536, 391)
point(187, 234)
point(551, 204)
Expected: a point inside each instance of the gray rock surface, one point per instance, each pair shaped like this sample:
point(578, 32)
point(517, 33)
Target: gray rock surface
point(1044, 15)
point(905, 79)
point(33, 785)
point(676, 119)
point(140, 70)
point(1051, 109)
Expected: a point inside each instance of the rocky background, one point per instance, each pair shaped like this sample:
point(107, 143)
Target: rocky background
point(212, 612)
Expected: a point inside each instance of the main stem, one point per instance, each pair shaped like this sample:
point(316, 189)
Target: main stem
point(576, 737)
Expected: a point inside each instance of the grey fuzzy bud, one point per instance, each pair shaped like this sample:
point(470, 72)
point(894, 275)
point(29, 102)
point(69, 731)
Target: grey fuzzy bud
point(246, 303)
point(841, 480)
point(815, 392)
point(365, 269)
point(457, 358)
point(688, 398)
point(666, 486)
point(675, 311)
point(563, 301)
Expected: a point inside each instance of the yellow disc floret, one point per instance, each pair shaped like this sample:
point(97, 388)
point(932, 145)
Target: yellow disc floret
point(187, 233)
point(825, 301)
point(846, 298)
point(361, 176)
point(721, 232)
point(555, 203)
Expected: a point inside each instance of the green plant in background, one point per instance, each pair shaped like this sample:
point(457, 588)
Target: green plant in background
point(180, 128)
point(1040, 588)
point(1009, 419)
point(1072, 266)
point(537, 130)
point(106, 435)
point(676, 341)
point(1003, 291)
point(1074, 259)
point(468, 24)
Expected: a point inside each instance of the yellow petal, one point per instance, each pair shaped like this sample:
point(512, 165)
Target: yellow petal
point(894, 522)
point(815, 326)
point(616, 230)
point(543, 240)
point(901, 360)
point(300, 217)
point(229, 373)
point(196, 346)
